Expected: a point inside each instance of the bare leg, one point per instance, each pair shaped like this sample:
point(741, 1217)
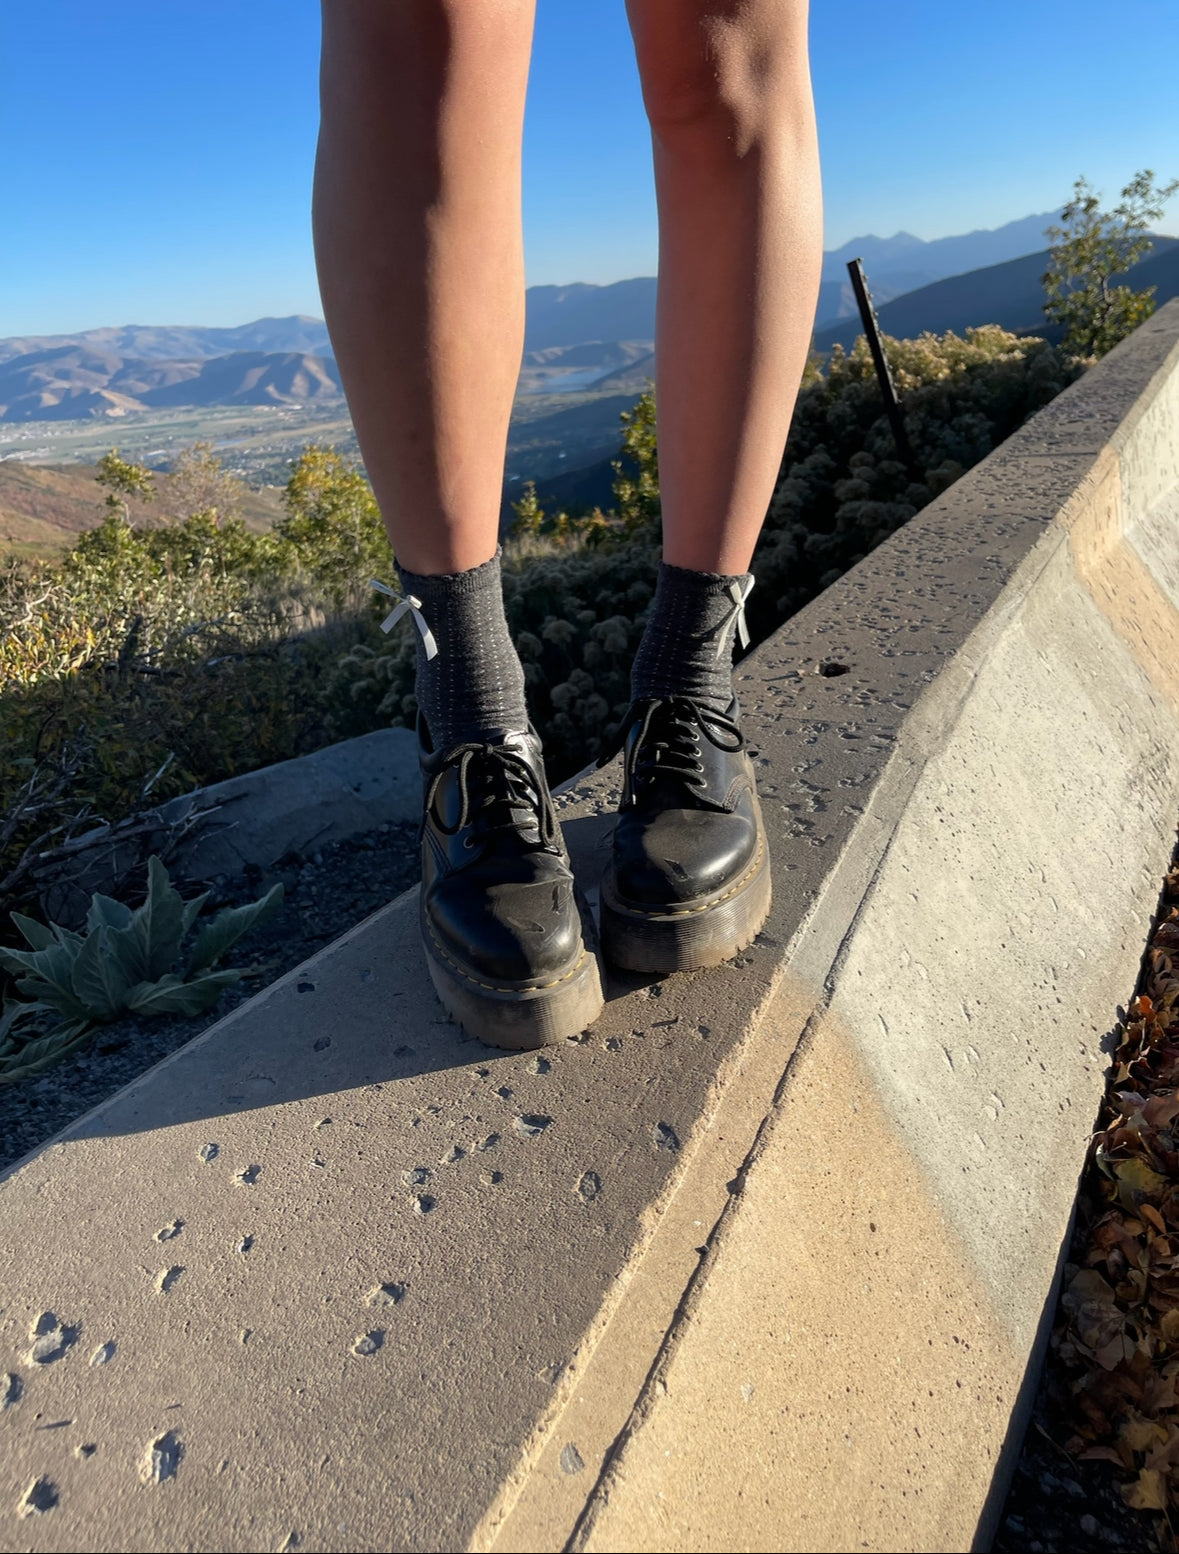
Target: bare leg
point(418, 239)
point(727, 89)
point(420, 255)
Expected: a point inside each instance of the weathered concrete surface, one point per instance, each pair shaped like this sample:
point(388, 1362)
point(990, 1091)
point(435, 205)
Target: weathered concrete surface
point(297, 806)
point(839, 1380)
point(692, 1292)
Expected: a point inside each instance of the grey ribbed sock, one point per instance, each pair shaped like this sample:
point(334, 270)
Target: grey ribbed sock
point(473, 687)
point(687, 647)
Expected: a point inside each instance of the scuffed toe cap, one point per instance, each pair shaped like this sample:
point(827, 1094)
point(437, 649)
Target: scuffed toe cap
point(680, 854)
point(508, 930)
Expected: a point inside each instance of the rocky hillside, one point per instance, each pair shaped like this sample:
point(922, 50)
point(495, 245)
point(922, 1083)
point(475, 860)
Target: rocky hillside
point(43, 508)
point(184, 342)
point(68, 382)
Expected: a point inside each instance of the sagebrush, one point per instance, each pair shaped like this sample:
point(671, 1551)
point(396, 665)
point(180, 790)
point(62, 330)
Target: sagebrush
point(577, 588)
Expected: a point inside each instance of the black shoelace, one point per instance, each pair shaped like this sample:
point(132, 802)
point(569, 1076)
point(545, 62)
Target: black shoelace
point(495, 783)
point(668, 741)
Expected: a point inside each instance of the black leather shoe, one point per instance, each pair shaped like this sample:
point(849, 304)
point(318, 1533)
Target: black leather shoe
point(500, 922)
point(688, 884)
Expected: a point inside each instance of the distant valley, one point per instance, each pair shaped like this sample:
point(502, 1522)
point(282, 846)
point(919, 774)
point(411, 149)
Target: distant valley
point(79, 379)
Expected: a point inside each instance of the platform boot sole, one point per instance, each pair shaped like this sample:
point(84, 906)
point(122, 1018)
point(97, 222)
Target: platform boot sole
point(693, 934)
point(517, 1016)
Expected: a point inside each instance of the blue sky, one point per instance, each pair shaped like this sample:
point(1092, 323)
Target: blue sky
point(157, 153)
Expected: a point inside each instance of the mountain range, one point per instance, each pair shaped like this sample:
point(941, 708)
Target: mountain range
point(181, 342)
point(904, 263)
point(67, 382)
point(576, 337)
point(1009, 294)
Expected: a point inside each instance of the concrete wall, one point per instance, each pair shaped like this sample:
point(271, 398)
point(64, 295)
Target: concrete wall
point(297, 806)
point(760, 1263)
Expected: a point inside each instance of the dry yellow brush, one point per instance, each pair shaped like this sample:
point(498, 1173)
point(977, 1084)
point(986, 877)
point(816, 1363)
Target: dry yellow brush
point(1119, 1333)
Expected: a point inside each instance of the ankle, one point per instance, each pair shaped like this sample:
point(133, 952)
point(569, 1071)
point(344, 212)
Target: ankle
point(471, 688)
point(687, 647)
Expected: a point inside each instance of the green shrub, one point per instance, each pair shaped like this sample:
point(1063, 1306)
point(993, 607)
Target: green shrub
point(576, 611)
point(577, 591)
point(842, 488)
point(156, 659)
point(1090, 248)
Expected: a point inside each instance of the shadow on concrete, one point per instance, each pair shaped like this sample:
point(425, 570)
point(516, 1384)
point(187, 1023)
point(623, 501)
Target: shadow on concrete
point(361, 1015)
point(1021, 1413)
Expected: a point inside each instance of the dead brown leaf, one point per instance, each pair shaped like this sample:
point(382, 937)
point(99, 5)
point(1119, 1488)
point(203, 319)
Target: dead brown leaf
point(1141, 1434)
point(1148, 1492)
point(1118, 1335)
point(1152, 1217)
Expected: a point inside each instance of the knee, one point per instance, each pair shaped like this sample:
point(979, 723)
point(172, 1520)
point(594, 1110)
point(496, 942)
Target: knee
point(733, 70)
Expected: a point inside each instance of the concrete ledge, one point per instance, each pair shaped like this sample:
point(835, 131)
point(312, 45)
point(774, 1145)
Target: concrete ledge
point(762, 1262)
point(294, 806)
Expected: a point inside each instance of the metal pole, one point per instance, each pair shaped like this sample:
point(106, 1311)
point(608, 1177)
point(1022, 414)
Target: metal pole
point(888, 389)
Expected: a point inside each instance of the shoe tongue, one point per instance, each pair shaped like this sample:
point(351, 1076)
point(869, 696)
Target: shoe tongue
point(668, 790)
point(669, 742)
point(666, 759)
point(504, 791)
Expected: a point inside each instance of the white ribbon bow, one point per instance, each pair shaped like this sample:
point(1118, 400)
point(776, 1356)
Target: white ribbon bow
point(408, 605)
point(738, 597)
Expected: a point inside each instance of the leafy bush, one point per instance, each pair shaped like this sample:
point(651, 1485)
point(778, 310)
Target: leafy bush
point(842, 489)
point(576, 611)
point(125, 962)
point(333, 528)
point(1090, 248)
point(577, 589)
point(158, 658)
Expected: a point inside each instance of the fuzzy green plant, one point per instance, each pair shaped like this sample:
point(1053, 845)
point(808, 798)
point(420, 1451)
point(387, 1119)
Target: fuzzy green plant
point(126, 962)
point(162, 656)
point(842, 490)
